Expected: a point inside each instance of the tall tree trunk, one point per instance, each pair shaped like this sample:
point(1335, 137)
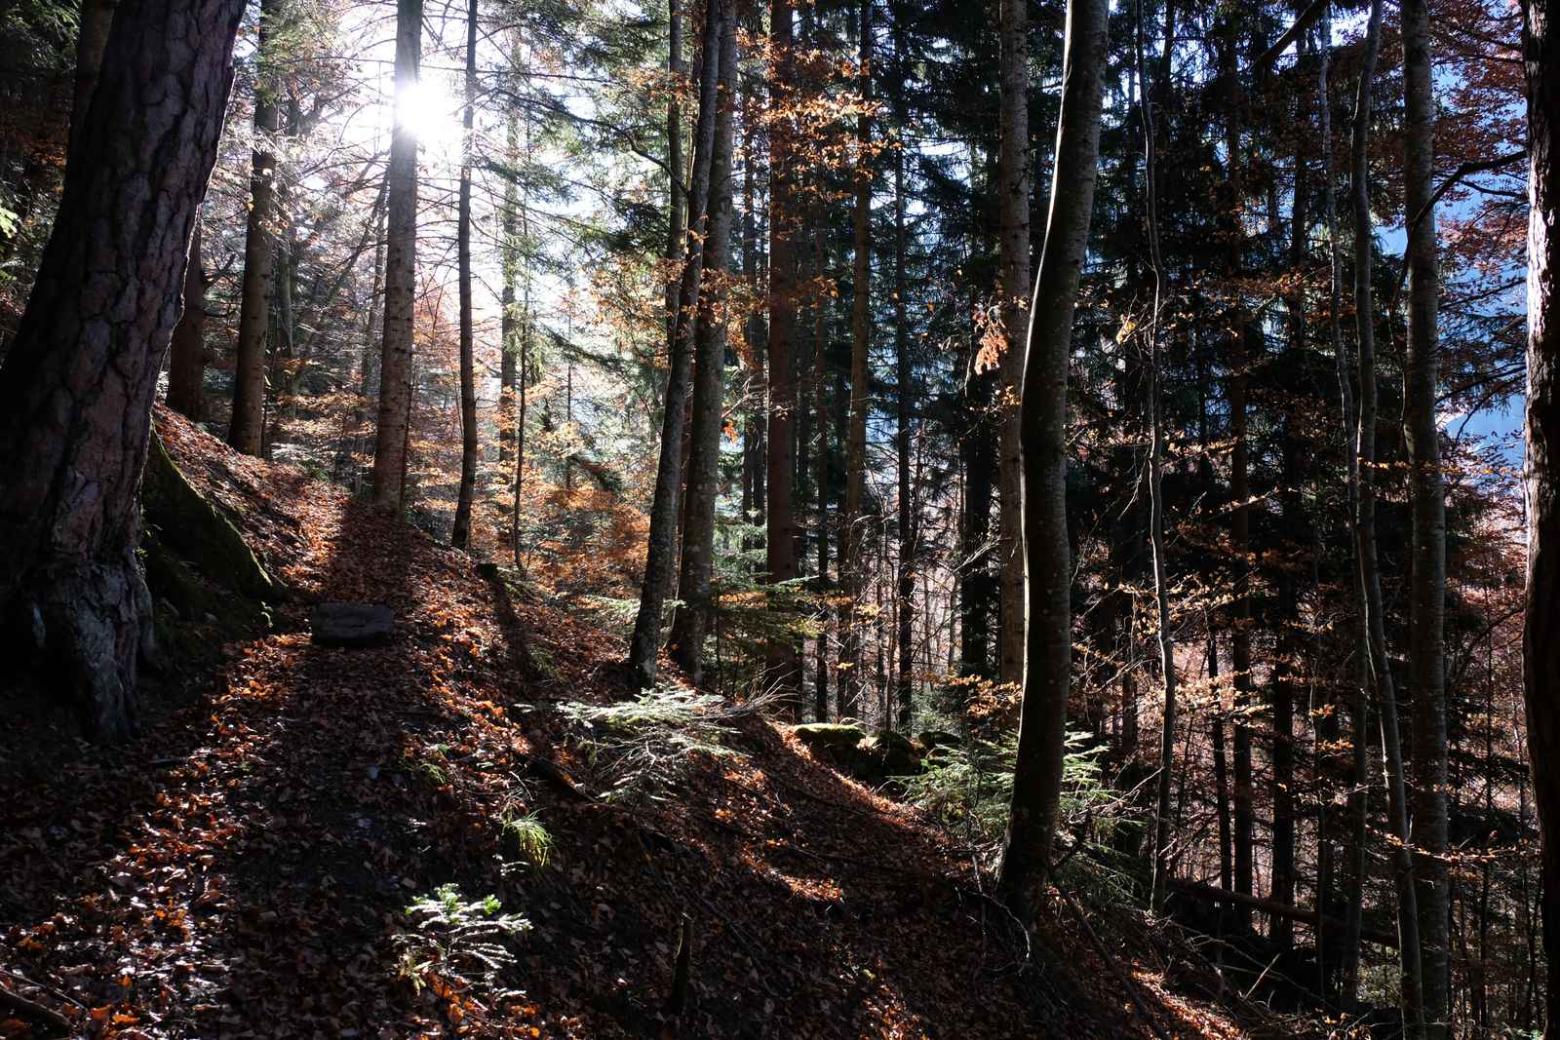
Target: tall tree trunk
point(692, 621)
point(854, 523)
point(77, 385)
point(1043, 417)
point(904, 380)
point(660, 561)
point(783, 666)
point(395, 365)
point(187, 355)
point(246, 429)
point(677, 198)
point(1541, 620)
point(509, 253)
point(1372, 609)
point(822, 465)
point(1287, 643)
point(1427, 593)
point(460, 536)
point(1242, 332)
point(1156, 492)
point(97, 20)
point(1349, 955)
point(1014, 175)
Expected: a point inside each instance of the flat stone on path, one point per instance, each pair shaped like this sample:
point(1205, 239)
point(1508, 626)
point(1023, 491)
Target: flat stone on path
point(352, 624)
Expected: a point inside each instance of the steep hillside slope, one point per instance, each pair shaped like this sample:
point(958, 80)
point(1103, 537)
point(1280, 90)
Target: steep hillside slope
point(248, 865)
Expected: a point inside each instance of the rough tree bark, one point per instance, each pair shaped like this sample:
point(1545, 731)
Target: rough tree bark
point(1014, 175)
point(661, 559)
point(395, 361)
point(691, 622)
point(1427, 592)
point(1043, 418)
point(246, 428)
point(460, 535)
point(77, 386)
point(1541, 625)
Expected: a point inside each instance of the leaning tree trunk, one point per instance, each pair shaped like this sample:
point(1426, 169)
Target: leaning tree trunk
point(691, 623)
point(395, 361)
point(1014, 175)
point(77, 387)
point(853, 524)
point(246, 428)
point(1037, 778)
point(460, 535)
point(1372, 607)
point(1427, 594)
point(187, 356)
point(1541, 625)
point(660, 560)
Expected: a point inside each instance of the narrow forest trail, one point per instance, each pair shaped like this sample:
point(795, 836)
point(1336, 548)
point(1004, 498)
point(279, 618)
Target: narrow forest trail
point(243, 868)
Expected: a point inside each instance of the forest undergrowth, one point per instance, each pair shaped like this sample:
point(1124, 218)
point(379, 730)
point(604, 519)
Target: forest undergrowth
point(425, 839)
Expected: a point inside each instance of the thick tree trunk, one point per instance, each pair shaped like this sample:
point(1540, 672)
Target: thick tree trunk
point(853, 525)
point(395, 363)
point(77, 386)
point(1043, 418)
point(1014, 175)
point(1427, 594)
point(691, 623)
point(246, 428)
point(1372, 609)
point(1541, 625)
point(187, 355)
point(460, 536)
point(783, 666)
point(660, 562)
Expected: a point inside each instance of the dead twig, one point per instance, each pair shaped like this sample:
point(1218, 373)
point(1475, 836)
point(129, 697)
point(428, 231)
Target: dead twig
point(1115, 968)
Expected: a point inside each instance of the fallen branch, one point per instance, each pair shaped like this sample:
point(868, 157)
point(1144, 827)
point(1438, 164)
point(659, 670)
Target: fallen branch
point(1115, 968)
point(34, 1010)
point(1274, 908)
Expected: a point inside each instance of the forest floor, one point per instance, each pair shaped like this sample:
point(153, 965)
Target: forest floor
point(245, 867)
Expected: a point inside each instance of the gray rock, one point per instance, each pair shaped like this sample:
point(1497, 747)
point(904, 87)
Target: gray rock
point(352, 624)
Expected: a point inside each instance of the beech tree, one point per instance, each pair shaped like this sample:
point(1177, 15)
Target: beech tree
point(1043, 411)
